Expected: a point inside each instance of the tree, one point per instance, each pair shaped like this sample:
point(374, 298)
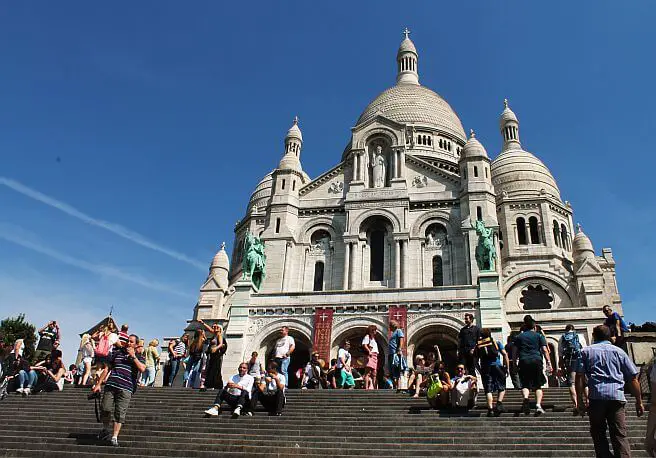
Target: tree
point(12, 329)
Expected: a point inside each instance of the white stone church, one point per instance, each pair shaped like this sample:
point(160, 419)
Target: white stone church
point(387, 233)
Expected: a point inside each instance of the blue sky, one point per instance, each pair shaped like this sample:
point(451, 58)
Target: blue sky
point(165, 116)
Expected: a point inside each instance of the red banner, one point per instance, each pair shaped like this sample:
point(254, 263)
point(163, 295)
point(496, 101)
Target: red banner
point(400, 315)
point(323, 327)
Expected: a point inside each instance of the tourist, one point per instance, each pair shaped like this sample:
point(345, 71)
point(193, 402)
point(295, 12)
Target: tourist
point(419, 376)
point(312, 377)
point(255, 369)
point(215, 351)
point(370, 347)
point(71, 375)
point(443, 398)
point(236, 394)
point(196, 348)
point(47, 336)
point(607, 370)
point(285, 346)
point(467, 338)
point(123, 365)
point(331, 376)
point(463, 388)
point(493, 362)
point(51, 373)
point(86, 353)
point(152, 360)
point(18, 368)
point(530, 348)
point(569, 353)
point(650, 437)
point(616, 325)
point(105, 339)
point(395, 350)
point(343, 372)
point(271, 390)
point(177, 352)
point(513, 370)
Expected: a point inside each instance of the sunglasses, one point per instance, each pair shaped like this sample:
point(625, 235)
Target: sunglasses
point(461, 368)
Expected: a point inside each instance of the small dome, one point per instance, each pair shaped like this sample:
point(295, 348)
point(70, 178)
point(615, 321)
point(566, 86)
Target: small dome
point(407, 46)
point(221, 260)
point(507, 115)
point(582, 247)
point(521, 174)
point(262, 193)
point(473, 148)
point(294, 131)
point(412, 103)
point(290, 162)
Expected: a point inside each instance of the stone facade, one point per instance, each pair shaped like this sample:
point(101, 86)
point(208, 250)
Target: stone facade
point(391, 225)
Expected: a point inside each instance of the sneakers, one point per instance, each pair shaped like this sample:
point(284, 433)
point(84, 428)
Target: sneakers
point(114, 441)
point(526, 408)
point(490, 412)
point(249, 414)
point(27, 391)
point(499, 409)
point(104, 435)
point(19, 390)
point(237, 412)
point(213, 411)
point(539, 410)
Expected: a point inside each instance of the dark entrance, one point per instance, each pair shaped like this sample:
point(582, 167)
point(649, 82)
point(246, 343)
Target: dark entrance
point(445, 338)
point(299, 358)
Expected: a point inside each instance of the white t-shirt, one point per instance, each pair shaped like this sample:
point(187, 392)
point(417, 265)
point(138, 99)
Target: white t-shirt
point(282, 346)
point(371, 342)
point(343, 355)
point(246, 382)
point(272, 387)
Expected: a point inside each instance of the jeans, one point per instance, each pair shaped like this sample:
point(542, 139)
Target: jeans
point(192, 373)
point(283, 365)
point(611, 414)
point(175, 367)
point(29, 377)
point(232, 400)
point(272, 402)
point(148, 376)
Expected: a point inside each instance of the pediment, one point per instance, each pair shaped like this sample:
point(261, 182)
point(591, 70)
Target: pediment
point(329, 185)
point(588, 268)
point(210, 285)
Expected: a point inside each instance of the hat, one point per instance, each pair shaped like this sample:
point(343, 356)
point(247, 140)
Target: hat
point(419, 356)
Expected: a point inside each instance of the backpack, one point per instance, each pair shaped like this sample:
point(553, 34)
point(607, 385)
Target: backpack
point(623, 325)
point(487, 349)
point(103, 346)
point(571, 345)
point(434, 387)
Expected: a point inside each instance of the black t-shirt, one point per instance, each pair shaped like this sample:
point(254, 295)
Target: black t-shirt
point(468, 337)
point(16, 364)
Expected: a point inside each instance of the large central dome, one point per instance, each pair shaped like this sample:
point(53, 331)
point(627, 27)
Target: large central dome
point(412, 103)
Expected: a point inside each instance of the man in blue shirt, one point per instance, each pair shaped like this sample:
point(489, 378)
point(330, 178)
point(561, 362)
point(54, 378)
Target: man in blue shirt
point(395, 346)
point(607, 368)
point(530, 348)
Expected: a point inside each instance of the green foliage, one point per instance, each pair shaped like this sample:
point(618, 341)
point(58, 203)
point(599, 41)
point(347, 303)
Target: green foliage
point(17, 328)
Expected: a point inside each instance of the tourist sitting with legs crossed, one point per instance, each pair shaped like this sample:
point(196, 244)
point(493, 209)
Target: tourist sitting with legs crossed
point(236, 393)
point(271, 390)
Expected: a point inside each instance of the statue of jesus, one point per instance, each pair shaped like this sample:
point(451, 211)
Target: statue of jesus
point(378, 166)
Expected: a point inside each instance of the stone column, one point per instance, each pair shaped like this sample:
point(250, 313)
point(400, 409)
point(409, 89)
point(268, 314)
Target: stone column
point(356, 266)
point(402, 165)
point(355, 166)
point(404, 265)
point(347, 267)
point(397, 264)
point(287, 266)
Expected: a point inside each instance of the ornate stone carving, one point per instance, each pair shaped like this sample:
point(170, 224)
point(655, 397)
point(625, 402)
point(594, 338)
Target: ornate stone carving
point(419, 181)
point(435, 239)
point(379, 167)
point(336, 187)
point(321, 246)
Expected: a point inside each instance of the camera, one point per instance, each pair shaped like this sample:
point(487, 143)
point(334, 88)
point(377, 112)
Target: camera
point(93, 396)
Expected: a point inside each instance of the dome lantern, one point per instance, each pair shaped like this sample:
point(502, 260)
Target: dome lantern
point(509, 126)
point(407, 61)
point(293, 145)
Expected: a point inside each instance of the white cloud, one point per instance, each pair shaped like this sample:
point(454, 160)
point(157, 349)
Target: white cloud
point(108, 226)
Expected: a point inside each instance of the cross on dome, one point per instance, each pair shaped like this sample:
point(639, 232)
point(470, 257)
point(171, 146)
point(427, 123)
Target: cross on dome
point(295, 119)
point(472, 134)
point(505, 103)
point(407, 33)
point(578, 227)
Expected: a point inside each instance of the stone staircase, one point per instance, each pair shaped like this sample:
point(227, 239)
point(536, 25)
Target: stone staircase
point(170, 422)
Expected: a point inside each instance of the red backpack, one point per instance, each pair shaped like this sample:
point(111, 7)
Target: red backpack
point(103, 346)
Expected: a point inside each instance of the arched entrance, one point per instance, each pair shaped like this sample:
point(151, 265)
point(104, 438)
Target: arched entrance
point(299, 358)
point(424, 341)
point(355, 336)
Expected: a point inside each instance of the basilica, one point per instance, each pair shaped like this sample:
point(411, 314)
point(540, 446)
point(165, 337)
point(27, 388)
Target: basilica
point(390, 233)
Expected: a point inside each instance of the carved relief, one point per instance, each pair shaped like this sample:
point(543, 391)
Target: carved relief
point(336, 187)
point(419, 181)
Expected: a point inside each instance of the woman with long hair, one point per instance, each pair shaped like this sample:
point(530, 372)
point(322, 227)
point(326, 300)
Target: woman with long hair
point(215, 351)
point(85, 356)
point(196, 347)
point(370, 347)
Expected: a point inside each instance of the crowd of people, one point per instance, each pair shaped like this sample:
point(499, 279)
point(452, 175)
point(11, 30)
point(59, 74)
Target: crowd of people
point(114, 363)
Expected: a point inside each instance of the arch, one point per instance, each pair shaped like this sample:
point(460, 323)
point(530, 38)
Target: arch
point(564, 235)
point(356, 224)
point(562, 296)
point(556, 233)
point(522, 238)
point(377, 131)
point(534, 230)
point(320, 222)
point(420, 226)
point(421, 330)
point(355, 334)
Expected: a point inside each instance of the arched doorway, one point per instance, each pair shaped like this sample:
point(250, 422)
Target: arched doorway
point(424, 341)
point(299, 358)
point(377, 255)
point(355, 336)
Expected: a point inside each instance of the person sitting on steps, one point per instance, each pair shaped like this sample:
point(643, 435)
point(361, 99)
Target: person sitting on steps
point(271, 390)
point(236, 394)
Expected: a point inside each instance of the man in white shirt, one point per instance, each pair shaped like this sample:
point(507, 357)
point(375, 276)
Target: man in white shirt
point(312, 375)
point(236, 393)
point(344, 374)
point(271, 390)
point(284, 348)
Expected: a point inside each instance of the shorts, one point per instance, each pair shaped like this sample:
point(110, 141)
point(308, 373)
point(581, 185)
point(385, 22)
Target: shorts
point(571, 367)
point(344, 378)
point(115, 404)
point(87, 360)
point(372, 362)
point(494, 379)
point(531, 374)
point(101, 360)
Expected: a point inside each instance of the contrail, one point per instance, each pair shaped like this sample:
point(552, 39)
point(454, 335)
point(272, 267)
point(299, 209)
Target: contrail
point(111, 227)
point(99, 269)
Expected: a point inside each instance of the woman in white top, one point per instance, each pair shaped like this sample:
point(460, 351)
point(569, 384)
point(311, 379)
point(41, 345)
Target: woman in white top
point(86, 353)
point(371, 349)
